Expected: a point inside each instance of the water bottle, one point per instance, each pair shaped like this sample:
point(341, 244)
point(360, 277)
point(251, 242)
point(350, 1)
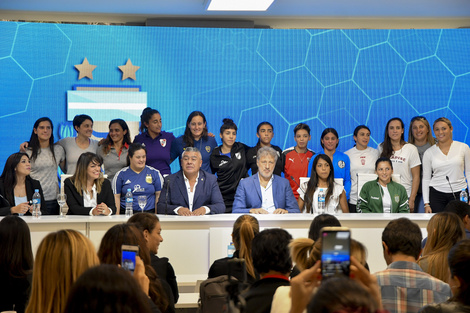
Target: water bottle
point(129, 201)
point(36, 204)
point(464, 195)
point(321, 201)
point(230, 250)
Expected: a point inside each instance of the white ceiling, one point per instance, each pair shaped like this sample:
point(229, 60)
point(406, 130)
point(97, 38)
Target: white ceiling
point(345, 11)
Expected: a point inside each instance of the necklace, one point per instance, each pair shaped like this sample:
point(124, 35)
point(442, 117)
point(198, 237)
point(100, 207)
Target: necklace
point(299, 153)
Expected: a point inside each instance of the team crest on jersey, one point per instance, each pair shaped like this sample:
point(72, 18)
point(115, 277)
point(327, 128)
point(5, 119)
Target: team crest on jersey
point(397, 198)
point(208, 149)
point(341, 164)
point(163, 142)
point(238, 155)
point(363, 162)
point(148, 179)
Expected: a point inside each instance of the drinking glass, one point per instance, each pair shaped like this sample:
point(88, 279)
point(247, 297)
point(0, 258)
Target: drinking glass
point(142, 200)
point(62, 199)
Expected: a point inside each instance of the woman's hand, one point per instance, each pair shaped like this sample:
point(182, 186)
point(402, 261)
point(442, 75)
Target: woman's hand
point(427, 208)
point(101, 209)
point(139, 275)
point(301, 287)
point(21, 208)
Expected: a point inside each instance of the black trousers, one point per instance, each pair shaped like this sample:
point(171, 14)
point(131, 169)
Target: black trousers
point(438, 200)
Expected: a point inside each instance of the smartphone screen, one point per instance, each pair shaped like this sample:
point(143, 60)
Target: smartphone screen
point(335, 257)
point(128, 255)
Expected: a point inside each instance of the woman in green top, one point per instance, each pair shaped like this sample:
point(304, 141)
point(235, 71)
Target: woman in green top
point(383, 195)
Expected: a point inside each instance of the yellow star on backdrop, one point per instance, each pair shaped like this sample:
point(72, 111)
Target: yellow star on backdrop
point(128, 70)
point(85, 69)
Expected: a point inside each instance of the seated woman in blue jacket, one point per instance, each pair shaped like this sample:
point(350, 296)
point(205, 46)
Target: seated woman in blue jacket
point(383, 195)
point(88, 193)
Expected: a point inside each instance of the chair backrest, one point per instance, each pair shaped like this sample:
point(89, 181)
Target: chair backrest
point(363, 178)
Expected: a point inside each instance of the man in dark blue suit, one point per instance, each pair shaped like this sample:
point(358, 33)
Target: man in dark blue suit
point(265, 193)
point(191, 191)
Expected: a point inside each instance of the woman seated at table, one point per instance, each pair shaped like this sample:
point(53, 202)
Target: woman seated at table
point(17, 187)
point(141, 179)
point(88, 193)
point(383, 195)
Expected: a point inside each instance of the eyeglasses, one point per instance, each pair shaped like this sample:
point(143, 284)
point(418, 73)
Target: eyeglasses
point(418, 118)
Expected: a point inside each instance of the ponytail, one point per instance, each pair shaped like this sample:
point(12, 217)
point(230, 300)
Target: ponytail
point(305, 252)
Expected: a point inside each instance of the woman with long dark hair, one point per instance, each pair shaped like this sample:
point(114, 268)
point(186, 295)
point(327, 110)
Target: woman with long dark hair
point(157, 142)
point(113, 149)
point(322, 177)
point(195, 135)
point(17, 187)
point(46, 157)
point(403, 155)
point(265, 133)
point(88, 193)
point(228, 161)
point(16, 264)
point(110, 253)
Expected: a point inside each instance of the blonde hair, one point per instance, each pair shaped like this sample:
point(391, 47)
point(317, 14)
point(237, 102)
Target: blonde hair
point(245, 228)
point(61, 258)
point(443, 119)
point(444, 229)
point(305, 252)
point(80, 177)
point(429, 138)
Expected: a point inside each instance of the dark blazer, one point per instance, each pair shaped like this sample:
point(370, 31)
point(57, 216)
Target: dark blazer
point(31, 184)
point(207, 193)
point(75, 200)
point(248, 195)
point(259, 297)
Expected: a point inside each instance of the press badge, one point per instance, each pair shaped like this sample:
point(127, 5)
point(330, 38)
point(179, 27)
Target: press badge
point(148, 179)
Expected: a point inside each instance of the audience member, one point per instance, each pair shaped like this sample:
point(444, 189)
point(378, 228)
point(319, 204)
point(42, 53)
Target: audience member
point(245, 228)
point(191, 191)
point(109, 289)
point(320, 221)
point(264, 192)
point(88, 193)
point(459, 264)
point(272, 261)
point(16, 264)
point(61, 258)
point(17, 187)
point(444, 231)
point(405, 287)
point(110, 253)
point(150, 226)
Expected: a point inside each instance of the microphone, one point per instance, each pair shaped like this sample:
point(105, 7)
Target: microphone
point(166, 195)
point(448, 181)
point(293, 179)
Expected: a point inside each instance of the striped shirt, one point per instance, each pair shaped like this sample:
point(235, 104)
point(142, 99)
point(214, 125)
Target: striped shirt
point(406, 288)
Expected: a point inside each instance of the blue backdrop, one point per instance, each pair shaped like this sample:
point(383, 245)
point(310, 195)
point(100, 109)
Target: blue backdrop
point(325, 78)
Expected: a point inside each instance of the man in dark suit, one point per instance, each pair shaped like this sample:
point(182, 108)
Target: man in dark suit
point(264, 192)
point(191, 191)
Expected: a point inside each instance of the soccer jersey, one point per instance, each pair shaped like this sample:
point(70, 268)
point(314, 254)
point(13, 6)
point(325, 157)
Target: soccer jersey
point(296, 166)
point(158, 150)
point(145, 183)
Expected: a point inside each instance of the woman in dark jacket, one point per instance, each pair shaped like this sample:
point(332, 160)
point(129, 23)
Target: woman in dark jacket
point(17, 187)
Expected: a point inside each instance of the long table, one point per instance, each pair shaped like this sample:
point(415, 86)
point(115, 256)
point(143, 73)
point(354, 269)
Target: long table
point(193, 243)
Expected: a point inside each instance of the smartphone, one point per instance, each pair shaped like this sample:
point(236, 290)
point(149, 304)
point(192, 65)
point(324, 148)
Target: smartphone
point(336, 251)
point(128, 254)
